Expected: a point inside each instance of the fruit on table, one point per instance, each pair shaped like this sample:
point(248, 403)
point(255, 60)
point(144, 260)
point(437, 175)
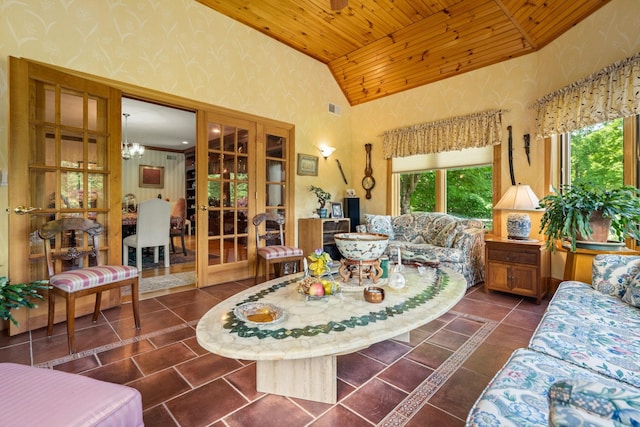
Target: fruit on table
point(316, 289)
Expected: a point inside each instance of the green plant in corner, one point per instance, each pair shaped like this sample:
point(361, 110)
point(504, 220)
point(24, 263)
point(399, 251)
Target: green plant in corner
point(568, 212)
point(322, 195)
point(18, 295)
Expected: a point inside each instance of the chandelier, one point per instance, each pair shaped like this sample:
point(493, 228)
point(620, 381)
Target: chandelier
point(130, 150)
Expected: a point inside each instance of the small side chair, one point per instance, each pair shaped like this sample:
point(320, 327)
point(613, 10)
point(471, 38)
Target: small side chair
point(75, 269)
point(273, 253)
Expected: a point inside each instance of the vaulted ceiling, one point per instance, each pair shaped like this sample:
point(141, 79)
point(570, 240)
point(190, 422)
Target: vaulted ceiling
point(376, 48)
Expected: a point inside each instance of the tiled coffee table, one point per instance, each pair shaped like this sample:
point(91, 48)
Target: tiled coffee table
point(297, 357)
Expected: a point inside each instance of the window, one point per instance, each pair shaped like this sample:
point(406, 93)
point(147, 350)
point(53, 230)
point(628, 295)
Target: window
point(594, 154)
point(468, 192)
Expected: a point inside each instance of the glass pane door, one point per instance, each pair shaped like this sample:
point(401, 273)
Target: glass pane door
point(228, 190)
point(59, 165)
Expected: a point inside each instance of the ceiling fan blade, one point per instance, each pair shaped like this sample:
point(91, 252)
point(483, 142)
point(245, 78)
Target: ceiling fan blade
point(339, 4)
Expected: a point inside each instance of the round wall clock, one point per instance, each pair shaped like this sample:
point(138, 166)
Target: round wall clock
point(368, 182)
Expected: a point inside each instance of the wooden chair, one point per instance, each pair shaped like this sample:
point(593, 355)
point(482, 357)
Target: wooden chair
point(177, 230)
point(75, 269)
point(273, 254)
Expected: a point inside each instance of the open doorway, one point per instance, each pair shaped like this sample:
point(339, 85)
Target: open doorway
point(166, 170)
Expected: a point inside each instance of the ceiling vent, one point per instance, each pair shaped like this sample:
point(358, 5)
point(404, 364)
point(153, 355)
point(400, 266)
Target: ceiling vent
point(335, 109)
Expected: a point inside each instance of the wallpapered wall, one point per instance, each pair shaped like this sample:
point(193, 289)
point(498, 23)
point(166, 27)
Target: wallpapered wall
point(183, 48)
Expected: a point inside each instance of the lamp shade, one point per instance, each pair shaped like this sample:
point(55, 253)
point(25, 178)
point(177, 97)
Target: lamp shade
point(518, 198)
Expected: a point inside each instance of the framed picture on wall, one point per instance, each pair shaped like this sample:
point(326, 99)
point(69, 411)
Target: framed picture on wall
point(151, 176)
point(307, 165)
point(336, 210)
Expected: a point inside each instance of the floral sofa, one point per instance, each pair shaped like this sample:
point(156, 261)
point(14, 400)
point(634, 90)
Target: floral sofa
point(435, 237)
point(582, 366)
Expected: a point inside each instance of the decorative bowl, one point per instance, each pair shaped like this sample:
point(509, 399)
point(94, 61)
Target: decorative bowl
point(361, 246)
point(259, 313)
point(373, 294)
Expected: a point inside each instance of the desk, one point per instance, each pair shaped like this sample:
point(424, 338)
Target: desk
point(298, 356)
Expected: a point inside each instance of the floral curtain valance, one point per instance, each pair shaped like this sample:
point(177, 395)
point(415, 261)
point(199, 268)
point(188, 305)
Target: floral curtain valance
point(475, 130)
point(609, 94)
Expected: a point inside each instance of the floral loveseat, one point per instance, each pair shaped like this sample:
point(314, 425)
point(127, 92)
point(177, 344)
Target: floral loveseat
point(582, 366)
point(435, 237)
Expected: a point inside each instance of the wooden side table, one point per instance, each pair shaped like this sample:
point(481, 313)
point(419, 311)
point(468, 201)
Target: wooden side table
point(519, 267)
point(579, 263)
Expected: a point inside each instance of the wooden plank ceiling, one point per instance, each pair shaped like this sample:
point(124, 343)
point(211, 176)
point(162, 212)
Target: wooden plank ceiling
point(376, 48)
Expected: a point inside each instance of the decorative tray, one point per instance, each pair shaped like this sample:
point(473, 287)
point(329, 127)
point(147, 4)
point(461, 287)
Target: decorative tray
point(259, 313)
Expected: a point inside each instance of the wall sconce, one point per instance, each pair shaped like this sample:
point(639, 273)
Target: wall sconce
point(326, 151)
point(518, 198)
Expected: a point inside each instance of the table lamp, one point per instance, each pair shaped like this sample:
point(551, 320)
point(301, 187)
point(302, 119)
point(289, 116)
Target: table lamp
point(518, 198)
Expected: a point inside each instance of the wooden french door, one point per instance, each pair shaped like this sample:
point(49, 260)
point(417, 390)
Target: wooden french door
point(63, 161)
point(247, 170)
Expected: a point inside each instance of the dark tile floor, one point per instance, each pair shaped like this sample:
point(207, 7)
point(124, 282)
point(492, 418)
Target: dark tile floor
point(184, 385)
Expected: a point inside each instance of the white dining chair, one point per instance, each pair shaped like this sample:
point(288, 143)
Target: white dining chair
point(152, 231)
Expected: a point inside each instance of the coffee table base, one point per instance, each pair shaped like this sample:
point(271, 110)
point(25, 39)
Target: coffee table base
point(314, 378)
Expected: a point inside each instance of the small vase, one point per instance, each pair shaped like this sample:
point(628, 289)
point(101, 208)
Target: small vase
point(322, 212)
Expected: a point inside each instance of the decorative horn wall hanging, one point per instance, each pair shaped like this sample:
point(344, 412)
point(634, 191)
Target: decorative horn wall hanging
point(527, 146)
point(513, 177)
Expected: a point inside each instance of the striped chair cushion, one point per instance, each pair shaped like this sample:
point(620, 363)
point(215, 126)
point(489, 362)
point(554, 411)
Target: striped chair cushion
point(275, 252)
point(84, 278)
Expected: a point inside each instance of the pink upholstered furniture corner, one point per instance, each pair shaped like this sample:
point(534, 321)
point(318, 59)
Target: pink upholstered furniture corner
point(43, 397)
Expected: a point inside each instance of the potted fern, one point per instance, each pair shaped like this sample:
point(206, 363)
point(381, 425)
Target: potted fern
point(573, 213)
point(13, 296)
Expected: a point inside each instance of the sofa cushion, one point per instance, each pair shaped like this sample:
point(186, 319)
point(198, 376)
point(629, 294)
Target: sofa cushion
point(592, 330)
point(379, 224)
point(517, 394)
point(632, 294)
point(612, 273)
point(446, 236)
point(573, 402)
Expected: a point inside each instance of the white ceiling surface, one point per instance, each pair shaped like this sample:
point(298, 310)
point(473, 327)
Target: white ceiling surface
point(154, 125)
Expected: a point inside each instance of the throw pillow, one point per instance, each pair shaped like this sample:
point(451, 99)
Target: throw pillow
point(632, 294)
point(445, 237)
point(379, 224)
point(580, 399)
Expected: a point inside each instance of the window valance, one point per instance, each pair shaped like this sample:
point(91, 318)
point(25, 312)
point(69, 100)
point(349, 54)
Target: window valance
point(475, 130)
point(609, 94)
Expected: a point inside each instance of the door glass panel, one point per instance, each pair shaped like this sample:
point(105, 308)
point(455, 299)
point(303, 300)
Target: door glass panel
point(97, 191)
point(214, 137)
point(45, 107)
point(97, 152)
point(72, 189)
point(44, 143)
point(229, 166)
point(71, 150)
point(214, 252)
point(275, 146)
point(229, 224)
point(95, 120)
point(275, 171)
point(243, 141)
point(275, 195)
point(215, 193)
point(43, 189)
point(71, 108)
point(229, 139)
point(229, 249)
point(214, 222)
